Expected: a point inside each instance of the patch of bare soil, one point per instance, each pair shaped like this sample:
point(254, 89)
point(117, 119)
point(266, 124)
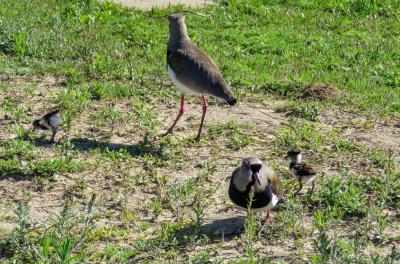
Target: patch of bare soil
point(320, 92)
point(104, 179)
point(381, 134)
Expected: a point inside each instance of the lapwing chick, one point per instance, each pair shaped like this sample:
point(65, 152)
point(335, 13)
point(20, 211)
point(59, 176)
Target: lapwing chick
point(265, 183)
point(49, 121)
point(192, 70)
point(303, 172)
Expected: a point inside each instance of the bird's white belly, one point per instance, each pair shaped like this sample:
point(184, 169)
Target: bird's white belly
point(55, 120)
point(181, 87)
point(272, 203)
point(44, 123)
point(305, 179)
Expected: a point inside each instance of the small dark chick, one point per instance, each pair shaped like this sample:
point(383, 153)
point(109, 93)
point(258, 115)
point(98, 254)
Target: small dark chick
point(303, 172)
point(49, 121)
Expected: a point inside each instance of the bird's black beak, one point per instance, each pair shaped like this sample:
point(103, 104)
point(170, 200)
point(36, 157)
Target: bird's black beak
point(255, 167)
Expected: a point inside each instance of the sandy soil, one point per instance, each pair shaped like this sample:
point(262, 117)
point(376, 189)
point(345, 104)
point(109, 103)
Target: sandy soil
point(221, 215)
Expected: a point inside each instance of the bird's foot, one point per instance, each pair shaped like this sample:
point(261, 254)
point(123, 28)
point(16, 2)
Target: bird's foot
point(262, 228)
point(169, 131)
point(296, 193)
point(268, 217)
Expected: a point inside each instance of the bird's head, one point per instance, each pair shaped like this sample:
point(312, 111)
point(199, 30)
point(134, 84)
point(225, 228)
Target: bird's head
point(176, 18)
point(294, 156)
point(36, 124)
point(177, 28)
point(250, 169)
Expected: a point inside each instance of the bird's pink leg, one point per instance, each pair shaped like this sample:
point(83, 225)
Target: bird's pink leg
point(268, 217)
point(202, 118)
point(181, 110)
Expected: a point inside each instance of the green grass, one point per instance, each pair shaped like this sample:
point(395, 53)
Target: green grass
point(352, 45)
point(112, 191)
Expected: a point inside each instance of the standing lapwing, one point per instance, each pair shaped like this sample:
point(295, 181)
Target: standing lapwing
point(192, 70)
point(267, 188)
point(49, 121)
point(303, 172)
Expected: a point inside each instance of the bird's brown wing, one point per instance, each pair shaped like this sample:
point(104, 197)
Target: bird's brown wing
point(195, 69)
point(275, 184)
point(51, 113)
point(304, 169)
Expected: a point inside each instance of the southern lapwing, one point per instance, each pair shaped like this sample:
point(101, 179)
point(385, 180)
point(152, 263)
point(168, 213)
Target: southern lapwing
point(192, 70)
point(264, 181)
point(303, 172)
point(49, 121)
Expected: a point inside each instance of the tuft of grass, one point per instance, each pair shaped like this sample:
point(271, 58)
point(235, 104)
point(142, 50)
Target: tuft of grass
point(64, 241)
point(303, 135)
point(236, 133)
point(347, 196)
point(306, 110)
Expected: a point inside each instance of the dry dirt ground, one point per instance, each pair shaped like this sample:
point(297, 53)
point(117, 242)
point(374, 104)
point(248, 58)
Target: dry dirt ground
point(262, 120)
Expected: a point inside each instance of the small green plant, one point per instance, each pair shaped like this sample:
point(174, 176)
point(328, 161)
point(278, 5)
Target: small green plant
point(303, 135)
point(60, 242)
point(236, 133)
point(250, 229)
point(306, 110)
point(157, 208)
point(198, 207)
point(145, 116)
point(41, 170)
point(12, 108)
point(117, 254)
point(349, 197)
point(178, 196)
point(73, 101)
point(322, 244)
point(97, 91)
point(114, 116)
point(20, 47)
point(99, 65)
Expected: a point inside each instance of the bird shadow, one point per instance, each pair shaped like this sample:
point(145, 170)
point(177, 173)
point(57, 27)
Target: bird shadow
point(216, 231)
point(18, 173)
point(225, 229)
point(138, 149)
point(43, 142)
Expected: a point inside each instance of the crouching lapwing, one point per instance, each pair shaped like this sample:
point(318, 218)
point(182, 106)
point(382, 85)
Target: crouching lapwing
point(192, 71)
point(267, 188)
point(49, 121)
point(303, 172)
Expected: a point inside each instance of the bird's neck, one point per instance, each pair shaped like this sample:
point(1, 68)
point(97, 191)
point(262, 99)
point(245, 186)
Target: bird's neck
point(177, 36)
point(295, 161)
